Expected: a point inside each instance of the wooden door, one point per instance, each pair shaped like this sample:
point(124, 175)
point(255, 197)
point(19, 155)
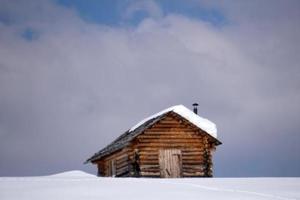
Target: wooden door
point(111, 168)
point(170, 163)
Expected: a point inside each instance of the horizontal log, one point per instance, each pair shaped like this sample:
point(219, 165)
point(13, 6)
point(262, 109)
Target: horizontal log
point(192, 162)
point(151, 156)
point(195, 172)
point(122, 159)
point(145, 155)
point(188, 174)
point(121, 171)
point(117, 154)
point(167, 136)
point(157, 147)
point(150, 170)
point(170, 125)
point(192, 157)
point(188, 161)
point(190, 144)
point(142, 167)
point(149, 150)
point(169, 145)
point(177, 131)
point(196, 167)
point(169, 122)
point(149, 165)
point(149, 159)
point(192, 153)
point(198, 155)
point(169, 131)
point(172, 139)
point(153, 153)
point(186, 144)
point(182, 133)
point(125, 174)
point(149, 162)
point(151, 174)
point(121, 165)
point(184, 160)
point(155, 128)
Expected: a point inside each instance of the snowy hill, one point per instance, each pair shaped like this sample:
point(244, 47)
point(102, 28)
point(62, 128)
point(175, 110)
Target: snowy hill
point(73, 174)
point(75, 185)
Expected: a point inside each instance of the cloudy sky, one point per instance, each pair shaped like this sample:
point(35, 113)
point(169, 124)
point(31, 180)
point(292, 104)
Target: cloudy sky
point(76, 74)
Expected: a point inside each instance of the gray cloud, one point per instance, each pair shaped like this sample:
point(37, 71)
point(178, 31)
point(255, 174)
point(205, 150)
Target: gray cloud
point(70, 91)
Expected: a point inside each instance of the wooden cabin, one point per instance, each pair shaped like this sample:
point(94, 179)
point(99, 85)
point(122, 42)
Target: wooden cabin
point(173, 143)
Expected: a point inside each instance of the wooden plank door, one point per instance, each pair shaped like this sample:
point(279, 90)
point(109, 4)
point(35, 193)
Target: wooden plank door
point(111, 168)
point(170, 163)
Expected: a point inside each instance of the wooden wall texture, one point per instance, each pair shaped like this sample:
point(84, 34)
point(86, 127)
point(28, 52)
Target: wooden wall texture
point(172, 147)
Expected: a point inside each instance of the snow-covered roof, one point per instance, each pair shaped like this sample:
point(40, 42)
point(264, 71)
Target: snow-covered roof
point(189, 115)
point(124, 139)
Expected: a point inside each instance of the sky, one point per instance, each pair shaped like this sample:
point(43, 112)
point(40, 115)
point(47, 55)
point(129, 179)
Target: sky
point(74, 75)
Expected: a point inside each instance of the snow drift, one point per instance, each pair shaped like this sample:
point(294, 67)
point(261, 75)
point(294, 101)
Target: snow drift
point(77, 185)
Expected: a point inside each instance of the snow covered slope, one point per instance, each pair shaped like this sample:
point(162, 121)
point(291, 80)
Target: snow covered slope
point(73, 174)
point(77, 185)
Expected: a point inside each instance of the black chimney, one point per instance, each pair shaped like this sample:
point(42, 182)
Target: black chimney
point(195, 108)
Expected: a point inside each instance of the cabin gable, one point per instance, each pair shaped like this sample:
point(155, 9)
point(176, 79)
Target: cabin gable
point(172, 143)
point(156, 146)
point(169, 134)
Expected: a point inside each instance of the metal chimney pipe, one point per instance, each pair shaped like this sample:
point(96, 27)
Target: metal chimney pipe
point(195, 108)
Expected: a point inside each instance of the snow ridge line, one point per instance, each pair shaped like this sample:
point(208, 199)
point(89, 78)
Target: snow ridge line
point(233, 190)
point(37, 179)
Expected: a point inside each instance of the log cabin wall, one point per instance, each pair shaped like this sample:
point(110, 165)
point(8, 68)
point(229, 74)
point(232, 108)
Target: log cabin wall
point(170, 134)
point(116, 164)
point(173, 132)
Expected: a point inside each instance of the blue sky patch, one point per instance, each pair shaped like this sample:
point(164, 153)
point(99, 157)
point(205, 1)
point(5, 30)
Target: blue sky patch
point(29, 34)
point(194, 10)
point(111, 13)
point(104, 12)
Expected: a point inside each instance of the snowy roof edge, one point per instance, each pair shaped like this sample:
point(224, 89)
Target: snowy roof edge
point(202, 123)
point(124, 139)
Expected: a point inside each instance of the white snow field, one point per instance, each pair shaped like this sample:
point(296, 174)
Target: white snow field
point(76, 185)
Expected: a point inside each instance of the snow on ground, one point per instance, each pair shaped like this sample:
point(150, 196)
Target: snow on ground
point(73, 174)
point(75, 185)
